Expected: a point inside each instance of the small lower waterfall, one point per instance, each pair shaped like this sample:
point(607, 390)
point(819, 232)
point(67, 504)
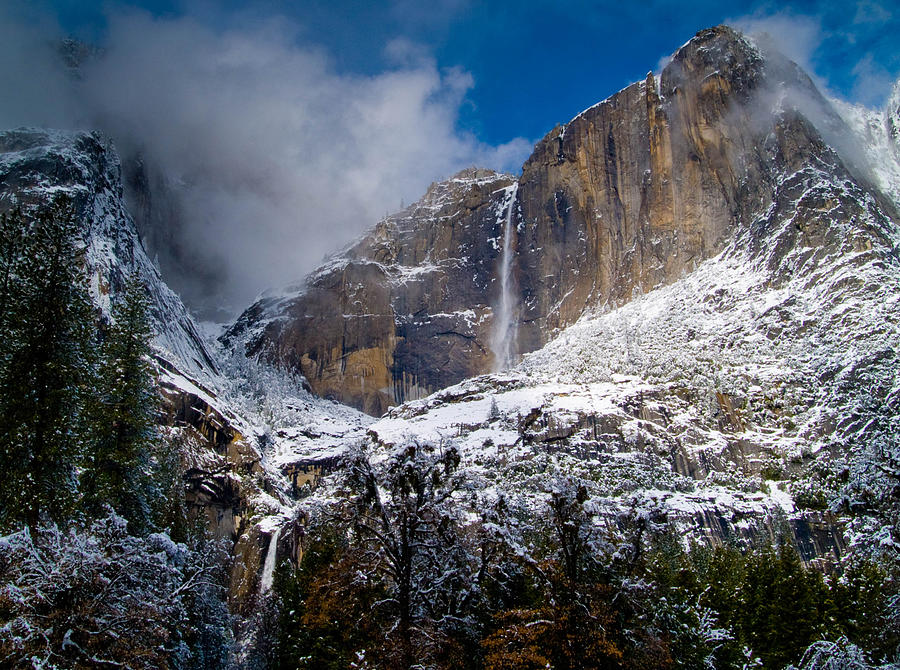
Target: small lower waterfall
point(265, 582)
point(505, 325)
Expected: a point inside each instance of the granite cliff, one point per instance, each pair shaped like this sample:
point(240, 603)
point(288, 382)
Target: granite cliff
point(630, 195)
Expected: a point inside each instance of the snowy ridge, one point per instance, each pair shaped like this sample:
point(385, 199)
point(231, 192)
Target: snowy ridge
point(38, 165)
point(442, 193)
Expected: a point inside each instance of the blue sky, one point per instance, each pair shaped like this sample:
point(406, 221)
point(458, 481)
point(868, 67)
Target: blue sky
point(536, 63)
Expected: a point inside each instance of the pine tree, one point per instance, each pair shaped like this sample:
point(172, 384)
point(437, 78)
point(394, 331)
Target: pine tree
point(45, 363)
point(169, 508)
point(124, 416)
point(12, 243)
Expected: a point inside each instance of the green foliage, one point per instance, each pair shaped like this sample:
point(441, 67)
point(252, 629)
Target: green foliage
point(573, 596)
point(767, 601)
point(783, 607)
point(865, 600)
point(78, 435)
point(46, 364)
point(328, 609)
point(77, 425)
point(64, 407)
point(124, 415)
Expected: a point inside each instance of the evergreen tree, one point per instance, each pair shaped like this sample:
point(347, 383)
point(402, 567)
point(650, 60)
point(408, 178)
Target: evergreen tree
point(169, 508)
point(124, 417)
point(45, 363)
point(12, 243)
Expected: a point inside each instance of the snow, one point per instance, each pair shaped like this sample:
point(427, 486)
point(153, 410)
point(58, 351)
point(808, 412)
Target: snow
point(781, 496)
point(716, 375)
point(675, 400)
point(112, 248)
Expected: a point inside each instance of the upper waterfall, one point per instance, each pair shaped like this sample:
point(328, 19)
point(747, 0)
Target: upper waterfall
point(505, 325)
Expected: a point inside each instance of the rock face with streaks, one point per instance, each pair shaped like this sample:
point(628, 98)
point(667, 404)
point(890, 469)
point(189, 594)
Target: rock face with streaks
point(630, 195)
point(404, 312)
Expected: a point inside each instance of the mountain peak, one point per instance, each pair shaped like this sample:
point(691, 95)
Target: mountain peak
point(440, 192)
point(631, 195)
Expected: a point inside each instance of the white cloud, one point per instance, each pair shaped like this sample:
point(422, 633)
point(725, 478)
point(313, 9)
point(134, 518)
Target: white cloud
point(797, 37)
point(36, 90)
point(871, 83)
point(280, 159)
point(805, 40)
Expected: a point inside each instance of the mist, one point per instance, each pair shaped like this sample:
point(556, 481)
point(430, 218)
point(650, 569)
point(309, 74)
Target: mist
point(788, 40)
point(260, 157)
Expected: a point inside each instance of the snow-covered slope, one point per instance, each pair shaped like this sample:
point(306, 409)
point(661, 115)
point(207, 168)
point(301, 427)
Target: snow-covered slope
point(718, 401)
point(37, 166)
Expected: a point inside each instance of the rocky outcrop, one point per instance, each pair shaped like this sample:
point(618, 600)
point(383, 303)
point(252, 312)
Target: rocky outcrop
point(222, 474)
point(402, 313)
point(669, 454)
point(628, 196)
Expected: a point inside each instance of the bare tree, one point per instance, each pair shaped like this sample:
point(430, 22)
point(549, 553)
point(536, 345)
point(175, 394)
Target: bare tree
point(410, 532)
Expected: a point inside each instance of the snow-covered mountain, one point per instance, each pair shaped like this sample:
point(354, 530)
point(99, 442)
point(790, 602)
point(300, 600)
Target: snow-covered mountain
point(705, 269)
point(702, 272)
point(37, 166)
point(630, 195)
point(230, 479)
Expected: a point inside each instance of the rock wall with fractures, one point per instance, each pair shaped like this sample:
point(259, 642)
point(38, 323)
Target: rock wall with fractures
point(630, 195)
point(403, 311)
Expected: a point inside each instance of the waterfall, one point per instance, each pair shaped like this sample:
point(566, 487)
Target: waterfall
point(265, 582)
point(505, 324)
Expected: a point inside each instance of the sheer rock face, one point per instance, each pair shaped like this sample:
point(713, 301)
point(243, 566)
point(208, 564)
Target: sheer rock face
point(628, 196)
point(403, 312)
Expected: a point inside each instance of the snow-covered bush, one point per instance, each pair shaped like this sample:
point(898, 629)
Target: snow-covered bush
point(97, 596)
point(838, 655)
